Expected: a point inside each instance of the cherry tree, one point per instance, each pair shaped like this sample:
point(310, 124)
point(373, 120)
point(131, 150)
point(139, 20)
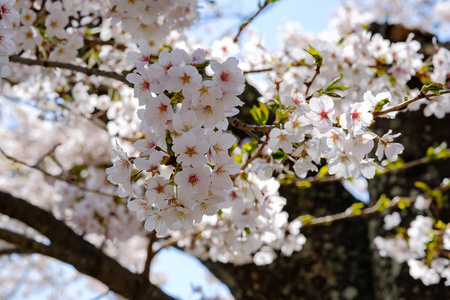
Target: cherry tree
point(123, 135)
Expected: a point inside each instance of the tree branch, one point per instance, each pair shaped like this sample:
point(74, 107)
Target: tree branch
point(404, 166)
point(235, 122)
point(14, 250)
point(406, 103)
point(27, 245)
point(57, 177)
point(68, 66)
point(348, 214)
point(249, 20)
point(69, 247)
point(150, 254)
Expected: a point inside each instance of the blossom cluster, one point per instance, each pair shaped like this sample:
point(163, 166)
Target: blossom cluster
point(250, 227)
point(418, 249)
point(72, 27)
point(423, 245)
point(311, 133)
point(184, 162)
point(184, 156)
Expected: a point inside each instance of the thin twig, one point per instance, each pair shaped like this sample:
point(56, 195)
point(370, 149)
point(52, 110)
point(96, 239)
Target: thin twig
point(348, 214)
point(71, 182)
point(249, 20)
point(39, 161)
point(309, 83)
point(68, 66)
point(258, 70)
point(319, 179)
point(406, 103)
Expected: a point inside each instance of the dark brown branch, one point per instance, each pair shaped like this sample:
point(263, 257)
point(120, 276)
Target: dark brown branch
point(68, 66)
point(249, 20)
point(10, 251)
point(150, 254)
point(69, 247)
point(248, 127)
point(27, 245)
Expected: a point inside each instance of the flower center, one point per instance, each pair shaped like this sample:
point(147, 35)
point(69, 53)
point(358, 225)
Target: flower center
point(323, 114)
point(193, 179)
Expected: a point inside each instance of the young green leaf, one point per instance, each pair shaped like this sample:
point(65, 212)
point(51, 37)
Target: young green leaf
point(317, 57)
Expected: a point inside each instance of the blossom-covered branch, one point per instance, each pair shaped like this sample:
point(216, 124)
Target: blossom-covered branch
point(355, 212)
point(408, 102)
point(68, 66)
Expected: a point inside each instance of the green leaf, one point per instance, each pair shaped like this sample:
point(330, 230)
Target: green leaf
point(238, 158)
point(177, 97)
point(422, 186)
point(380, 104)
point(317, 57)
point(333, 87)
point(403, 203)
point(260, 114)
point(440, 225)
point(202, 65)
point(278, 155)
point(251, 146)
point(336, 80)
point(303, 184)
point(305, 219)
point(323, 172)
point(440, 152)
point(435, 88)
point(382, 203)
point(169, 143)
point(356, 208)
point(334, 95)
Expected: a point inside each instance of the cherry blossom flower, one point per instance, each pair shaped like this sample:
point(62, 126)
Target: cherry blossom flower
point(142, 58)
point(192, 150)
point(184, 78)
point(55, 23)
point(165, 62)
point(391, 220)
point(227, 76)
point(322, 113)
point(385, 146)
point(8, 13)
point(193, 184)
point(345, 164)
point(357, 117)
point(280, 138)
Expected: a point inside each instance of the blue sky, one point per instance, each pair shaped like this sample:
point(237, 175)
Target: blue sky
point(312, 15)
